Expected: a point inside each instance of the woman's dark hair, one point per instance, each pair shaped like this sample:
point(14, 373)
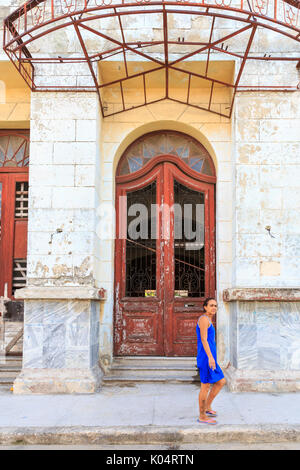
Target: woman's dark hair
point(206, 301)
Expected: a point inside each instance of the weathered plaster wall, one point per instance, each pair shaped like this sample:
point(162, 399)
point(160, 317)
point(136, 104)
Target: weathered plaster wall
point(64, 168)
point(267, 156)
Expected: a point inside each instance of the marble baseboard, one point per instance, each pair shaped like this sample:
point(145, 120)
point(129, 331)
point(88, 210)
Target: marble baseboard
point(55, 381)
point(271, 381)
point(60, 347)
point(61, 334)
point(265, 335)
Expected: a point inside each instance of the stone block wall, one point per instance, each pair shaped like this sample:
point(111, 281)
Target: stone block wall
point(64, 167)
point(267, 195)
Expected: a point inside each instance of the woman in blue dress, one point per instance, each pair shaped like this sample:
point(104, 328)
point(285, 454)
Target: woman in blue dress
point(211, 375)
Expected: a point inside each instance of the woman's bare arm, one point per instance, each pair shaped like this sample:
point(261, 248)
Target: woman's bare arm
point(203, 325)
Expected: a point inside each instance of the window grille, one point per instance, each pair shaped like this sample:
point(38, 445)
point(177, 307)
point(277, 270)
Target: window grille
point(21, 206)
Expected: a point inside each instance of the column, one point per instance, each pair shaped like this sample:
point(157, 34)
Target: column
point(62, 298)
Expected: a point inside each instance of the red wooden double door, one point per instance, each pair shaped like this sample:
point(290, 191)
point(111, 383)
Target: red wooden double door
point(13, 229)
point(164, 258)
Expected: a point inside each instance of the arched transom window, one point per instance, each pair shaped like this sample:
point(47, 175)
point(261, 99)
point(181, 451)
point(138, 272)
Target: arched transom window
point(14, 148)
point(189, 150)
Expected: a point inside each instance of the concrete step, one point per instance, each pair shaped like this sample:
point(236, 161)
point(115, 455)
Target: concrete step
point(10, 367)
point(172, 436)
point(8, 359)
point(152, 369)
point(163, 360)
point(8, 379)
point(115, 380)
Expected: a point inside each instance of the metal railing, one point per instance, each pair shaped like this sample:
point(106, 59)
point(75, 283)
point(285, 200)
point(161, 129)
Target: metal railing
point(39, 12)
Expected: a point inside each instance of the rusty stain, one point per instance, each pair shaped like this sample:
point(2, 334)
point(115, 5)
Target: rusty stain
point(102, 293)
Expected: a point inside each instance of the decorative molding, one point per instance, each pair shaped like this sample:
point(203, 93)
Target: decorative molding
point(280, 294)
point(70, 292)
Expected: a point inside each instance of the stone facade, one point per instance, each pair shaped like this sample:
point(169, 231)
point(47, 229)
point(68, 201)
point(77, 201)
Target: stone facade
point(73, 159)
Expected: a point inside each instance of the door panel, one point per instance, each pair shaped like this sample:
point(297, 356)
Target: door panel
point(1, 187)
point(14, 221)
point(190, 252)
point(140, 246)
point(138, 304)
point(164, 274)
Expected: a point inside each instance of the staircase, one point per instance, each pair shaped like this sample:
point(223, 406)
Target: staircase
point(10, 367)
point(144, 369)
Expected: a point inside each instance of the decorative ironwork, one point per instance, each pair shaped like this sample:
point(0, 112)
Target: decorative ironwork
point(189, 244)
point(14, 150)
point(140, 245)
point(190, 151)
point(25, 29)
point(38, 12)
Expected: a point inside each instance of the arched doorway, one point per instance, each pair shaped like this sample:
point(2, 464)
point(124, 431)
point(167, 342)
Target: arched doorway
point(165, 244)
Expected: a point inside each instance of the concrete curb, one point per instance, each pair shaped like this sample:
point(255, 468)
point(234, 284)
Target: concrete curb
point(142, 435)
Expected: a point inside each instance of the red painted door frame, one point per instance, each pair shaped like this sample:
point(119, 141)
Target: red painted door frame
point(180, 313)
point(147, 311)
point(13, 242)
point(169, 323)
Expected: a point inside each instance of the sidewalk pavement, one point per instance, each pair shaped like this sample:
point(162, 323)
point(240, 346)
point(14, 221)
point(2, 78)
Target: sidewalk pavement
point(147, 414)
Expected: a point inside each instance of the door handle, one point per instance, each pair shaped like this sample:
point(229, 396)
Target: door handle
point(189, 305)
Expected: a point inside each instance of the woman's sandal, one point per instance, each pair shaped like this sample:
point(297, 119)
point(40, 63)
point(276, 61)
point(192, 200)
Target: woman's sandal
point(207, 421)
point(211, 413)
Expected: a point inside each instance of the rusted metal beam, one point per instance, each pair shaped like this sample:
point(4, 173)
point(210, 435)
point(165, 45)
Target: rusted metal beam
point(88, 62)
point(123, 39)
point(210, 38)
point(242, 65)
point(209, 45)
point(165, 30)
point(294, 3)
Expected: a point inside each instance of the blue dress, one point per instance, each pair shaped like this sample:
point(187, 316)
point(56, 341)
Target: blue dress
point(207, 375)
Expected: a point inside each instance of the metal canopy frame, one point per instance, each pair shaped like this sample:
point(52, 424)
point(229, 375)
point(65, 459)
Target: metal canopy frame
point(37, 19)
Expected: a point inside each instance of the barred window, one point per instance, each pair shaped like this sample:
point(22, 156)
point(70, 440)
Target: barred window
point(21, 204)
